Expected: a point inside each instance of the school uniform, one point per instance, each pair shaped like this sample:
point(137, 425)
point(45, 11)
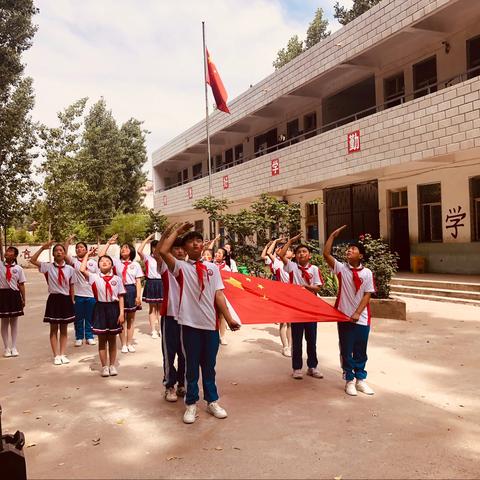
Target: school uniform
point(107, 290)
point(223, 266)
point(153, 290)
point(60, 279)
point(200, 338)
point(84, 299)
point(233, 265)
point(308, 275)
point(171, 342)
point(11, 276)
point(353, 283)
point(129, 272)
point(280, 274)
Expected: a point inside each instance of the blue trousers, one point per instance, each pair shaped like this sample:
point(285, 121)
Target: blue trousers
point(353, 341)
point(171, 347)
point(200, 348)
point(310, 330)
point(83, 317)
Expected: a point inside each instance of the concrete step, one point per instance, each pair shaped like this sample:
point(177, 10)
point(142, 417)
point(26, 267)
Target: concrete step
point(442, 292)
point(436, 284)
point(437, 298)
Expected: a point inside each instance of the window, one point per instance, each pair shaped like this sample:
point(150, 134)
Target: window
point(310, 124)
point(197, 171)
point(217, 163)
point(292, 130)
point(398, 198)
point(425, 77)
point(229, 158)
point(311, 220)
point(182, 176)
point(238, 154)
point(199, 226)
point(266, 142)
point(430, 212)
point(475, 207)
point(394, 90)
point(473, 57)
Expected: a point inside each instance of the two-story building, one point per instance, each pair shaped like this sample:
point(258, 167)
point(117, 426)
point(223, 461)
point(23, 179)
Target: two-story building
point(376, 127)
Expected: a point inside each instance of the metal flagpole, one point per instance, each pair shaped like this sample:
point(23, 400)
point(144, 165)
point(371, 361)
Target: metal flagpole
point(211, 227)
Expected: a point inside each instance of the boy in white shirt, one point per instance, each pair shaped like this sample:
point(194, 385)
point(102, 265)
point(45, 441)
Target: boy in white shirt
point(355, 288)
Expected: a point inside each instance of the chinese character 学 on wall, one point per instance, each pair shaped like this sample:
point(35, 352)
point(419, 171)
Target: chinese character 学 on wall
point(453, 219)
point(275, 167)
point(225, 182)
point(353, 141)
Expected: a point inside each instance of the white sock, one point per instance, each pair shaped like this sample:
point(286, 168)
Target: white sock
point(5, 323)
point(14, 330)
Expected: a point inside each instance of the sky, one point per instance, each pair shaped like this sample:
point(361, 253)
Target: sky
point(145, 56)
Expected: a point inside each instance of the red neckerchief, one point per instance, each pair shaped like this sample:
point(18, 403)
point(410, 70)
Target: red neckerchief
point(61, 276)
point(305, 275)
point(8, 266)
point(124, 272)
point(356, 278)
point(200, 268)
point(108, 287)
point(221, 266)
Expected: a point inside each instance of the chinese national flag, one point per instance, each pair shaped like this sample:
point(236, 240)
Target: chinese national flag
point(215, 82)
point(257, 300)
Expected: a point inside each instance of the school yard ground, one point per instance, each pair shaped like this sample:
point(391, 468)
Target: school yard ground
point(423, 422)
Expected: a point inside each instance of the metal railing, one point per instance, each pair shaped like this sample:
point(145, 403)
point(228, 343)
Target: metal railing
point(400, 99)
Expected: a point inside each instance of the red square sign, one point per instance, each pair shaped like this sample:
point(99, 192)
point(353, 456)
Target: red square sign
point(225, 182)
point(190, 193)
point(165, 201)
point(353, 141)
point(275, 166)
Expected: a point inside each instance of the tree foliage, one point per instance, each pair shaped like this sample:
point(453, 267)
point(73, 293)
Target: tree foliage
point(129, 226)
point(284, 55)
point(317, 30)
point(213, 207)
point(346, 15)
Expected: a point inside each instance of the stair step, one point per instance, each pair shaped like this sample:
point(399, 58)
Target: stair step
point(437, 298)
point(440, 284)
point(465, 294)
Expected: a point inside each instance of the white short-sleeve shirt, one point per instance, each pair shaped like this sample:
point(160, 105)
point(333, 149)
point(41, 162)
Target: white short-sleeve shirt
point(171, 292)
point(296, 277)
point(99, 287)
point(197, 308)
point(223, 266)
point(348, 299)
point(52, 271)
point(134, 270)
point(18, 276)
point(280, 273)
point(151, 270)
point(81, 286)
point(233, 265)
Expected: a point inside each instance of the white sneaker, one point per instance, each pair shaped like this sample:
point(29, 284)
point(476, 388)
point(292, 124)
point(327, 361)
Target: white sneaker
point(297, 374)
point(216, 410)
point(315, 373)
point(362, 386)
point(7, 353)
point(91, 341)
point(155, 334)
point(287, 351)
point(170, 395)
point(131, 348)
point(124, 349)
point(78, 343)
point(350, 388)
point(14, 352)
point(190, 413)
point(64, 359)
point(112, 370)
point(223, 341)
point(105, 372)
point(57, 360)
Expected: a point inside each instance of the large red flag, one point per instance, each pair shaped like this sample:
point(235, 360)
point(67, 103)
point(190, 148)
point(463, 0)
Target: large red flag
point(215, 82)
point(257, 300)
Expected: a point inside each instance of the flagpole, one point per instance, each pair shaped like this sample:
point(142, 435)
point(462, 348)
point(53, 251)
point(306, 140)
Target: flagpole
point(206, 122)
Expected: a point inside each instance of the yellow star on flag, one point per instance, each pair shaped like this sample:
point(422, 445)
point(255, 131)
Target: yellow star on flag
point(235, 283)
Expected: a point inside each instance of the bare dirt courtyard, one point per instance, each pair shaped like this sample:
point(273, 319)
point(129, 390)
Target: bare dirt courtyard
point(423, 421)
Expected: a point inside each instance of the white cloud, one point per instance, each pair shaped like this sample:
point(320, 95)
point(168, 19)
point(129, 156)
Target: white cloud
point(145, 56)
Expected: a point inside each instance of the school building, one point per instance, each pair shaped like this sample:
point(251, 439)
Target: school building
point(377, 127)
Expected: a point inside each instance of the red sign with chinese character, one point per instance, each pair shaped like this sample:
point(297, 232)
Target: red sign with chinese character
point(226, 184)
point(353, 141)
point(190, 193)
point(164, 200)
point(275, 167)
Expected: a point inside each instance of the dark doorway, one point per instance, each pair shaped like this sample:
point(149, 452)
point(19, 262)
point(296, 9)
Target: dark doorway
point(473, 57)
point(400, 236)
point(425, 77)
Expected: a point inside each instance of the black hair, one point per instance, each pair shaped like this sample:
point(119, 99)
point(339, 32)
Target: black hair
point(81, 243)
point(224, 252)
point(153, 244)
point(15, 250)
point(178, 242)
point(302, 245)
point(105, 256)
point(360, 247)
point(191, 236)
point(133, 252)
point(59, 245)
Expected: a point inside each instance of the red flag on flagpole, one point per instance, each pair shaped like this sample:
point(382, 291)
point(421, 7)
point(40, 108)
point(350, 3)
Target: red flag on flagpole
point(258, 300)
point(216, 84)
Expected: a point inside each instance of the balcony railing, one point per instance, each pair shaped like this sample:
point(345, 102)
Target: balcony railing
point(304, 135)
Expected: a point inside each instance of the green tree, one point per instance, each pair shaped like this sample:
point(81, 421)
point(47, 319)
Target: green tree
point(129, 226)
point(346, 15)
point(134, 157)
point(293, 49)
point(157, 221)
point(317, 30)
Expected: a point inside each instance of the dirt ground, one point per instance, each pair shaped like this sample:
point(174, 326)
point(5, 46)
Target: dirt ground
point(423, 421)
